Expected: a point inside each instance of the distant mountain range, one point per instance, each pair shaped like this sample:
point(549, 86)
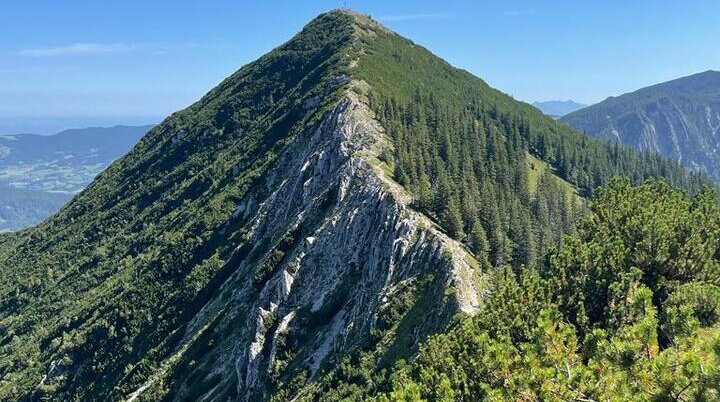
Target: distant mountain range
point(51, 125)
point(38, 174)
point(558, 108)
point(679, 119)
point(20, 208)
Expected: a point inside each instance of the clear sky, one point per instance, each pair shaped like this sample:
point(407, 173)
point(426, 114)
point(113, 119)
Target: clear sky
point(89, 58)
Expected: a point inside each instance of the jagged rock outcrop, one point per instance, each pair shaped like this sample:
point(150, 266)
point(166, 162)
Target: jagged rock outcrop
point(679, 119)
point(350, 244)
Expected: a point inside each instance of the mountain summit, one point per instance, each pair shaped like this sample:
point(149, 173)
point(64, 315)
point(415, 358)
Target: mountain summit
point(330, 205)
point(679, 119)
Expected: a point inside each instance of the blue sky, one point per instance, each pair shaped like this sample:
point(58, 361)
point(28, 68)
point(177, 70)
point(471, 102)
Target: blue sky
point(84, 59)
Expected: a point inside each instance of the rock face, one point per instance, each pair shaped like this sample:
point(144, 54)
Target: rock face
point(679, 119)
point(350, 245)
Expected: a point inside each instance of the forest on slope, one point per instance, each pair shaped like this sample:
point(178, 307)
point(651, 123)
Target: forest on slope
point(461, 148)
point(627, 309)
point(96, 300)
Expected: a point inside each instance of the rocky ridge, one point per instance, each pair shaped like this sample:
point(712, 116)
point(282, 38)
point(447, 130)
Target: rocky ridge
point(356, 245)
point(256, 246)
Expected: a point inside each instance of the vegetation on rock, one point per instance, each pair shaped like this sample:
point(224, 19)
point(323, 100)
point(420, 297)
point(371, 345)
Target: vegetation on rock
point(627, 310)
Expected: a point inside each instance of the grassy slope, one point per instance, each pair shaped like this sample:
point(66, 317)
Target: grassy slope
point(537, 167)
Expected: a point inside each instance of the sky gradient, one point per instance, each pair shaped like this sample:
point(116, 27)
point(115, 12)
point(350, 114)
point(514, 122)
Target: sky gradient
point(121, 61)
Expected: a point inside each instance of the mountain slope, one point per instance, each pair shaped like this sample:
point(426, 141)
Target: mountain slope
point(679, 119)
point(342, 197)
point(558, 108)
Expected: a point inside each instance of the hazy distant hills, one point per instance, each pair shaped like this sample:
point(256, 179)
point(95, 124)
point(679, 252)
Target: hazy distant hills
point(558, 108)
point(21, 208)
point(38, 174)
point(64, 162)
point(679, 119)
point(50, 125)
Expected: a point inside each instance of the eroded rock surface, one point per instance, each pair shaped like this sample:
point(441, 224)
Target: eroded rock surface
point(331, 247)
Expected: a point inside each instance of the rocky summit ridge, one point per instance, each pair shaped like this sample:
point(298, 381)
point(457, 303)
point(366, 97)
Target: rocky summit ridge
point(323, 243)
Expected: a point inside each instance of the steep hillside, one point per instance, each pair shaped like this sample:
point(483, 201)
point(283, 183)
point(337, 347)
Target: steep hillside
point(336, 201)
point(679, 119)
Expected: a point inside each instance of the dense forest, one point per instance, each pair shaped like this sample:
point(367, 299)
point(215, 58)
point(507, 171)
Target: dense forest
point(466, 151)
point(626, 309)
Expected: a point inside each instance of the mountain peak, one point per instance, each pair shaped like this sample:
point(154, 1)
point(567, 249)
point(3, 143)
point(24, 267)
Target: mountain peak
point(345, 15)
point(343, 196)
point(705, 77)
point(347, 11)
point(710, 72)
point(356, 16)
